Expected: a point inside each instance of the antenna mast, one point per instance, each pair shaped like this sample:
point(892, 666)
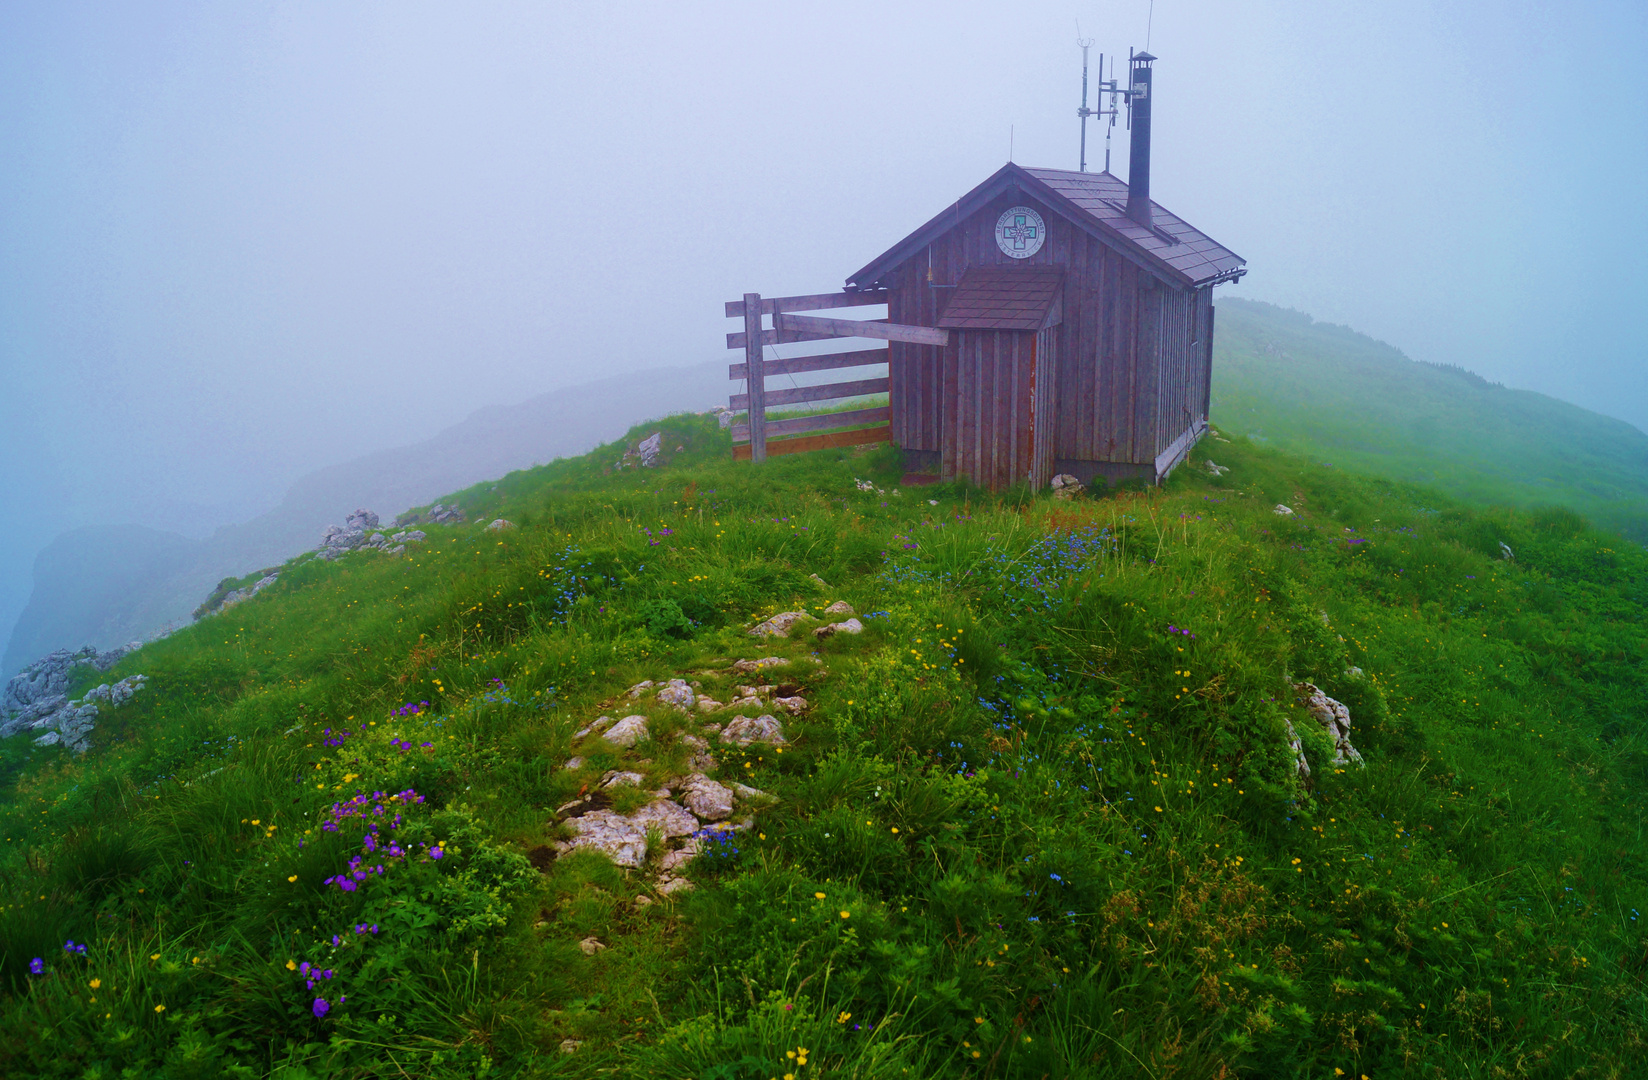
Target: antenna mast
point(1084, 112)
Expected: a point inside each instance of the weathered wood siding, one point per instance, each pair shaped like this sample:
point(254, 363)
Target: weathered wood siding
point(988, 390)
point(1128, 366)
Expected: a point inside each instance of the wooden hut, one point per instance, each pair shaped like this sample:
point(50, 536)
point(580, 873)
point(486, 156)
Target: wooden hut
point(1047, 322)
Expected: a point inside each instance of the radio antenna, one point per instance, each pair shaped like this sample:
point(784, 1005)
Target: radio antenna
point(1084, 112)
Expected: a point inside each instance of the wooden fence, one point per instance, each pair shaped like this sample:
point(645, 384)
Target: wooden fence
point(760, 437)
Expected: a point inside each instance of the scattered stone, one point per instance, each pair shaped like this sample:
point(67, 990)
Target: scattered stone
point(1505, 551)
point(1216, 470)
point(640, 688)
point(1335, 720)
point(601, 724)
point(756, 691)
point(706, 798)
point(500, 524)
point(744, 791)
point(1066, 486)
point(791, 705)
point(570, 1045)
point(750, 667)
point(742, 730)
point(709, 704)
point(840, 607)
point(622, 779)
point(628, 731)
point(590, 946)
point(816, 580)
point(1283, 511)
point(643, 901)
point(779, 625)
point(669, 886)
point(851, 626)
point(711, 729)
point(677, 693)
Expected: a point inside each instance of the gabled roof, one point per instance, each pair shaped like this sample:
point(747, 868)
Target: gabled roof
point(1095, 202)
point(1003, 298)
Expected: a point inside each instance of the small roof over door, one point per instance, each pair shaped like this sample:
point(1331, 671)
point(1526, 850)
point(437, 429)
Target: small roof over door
point(1005, 298)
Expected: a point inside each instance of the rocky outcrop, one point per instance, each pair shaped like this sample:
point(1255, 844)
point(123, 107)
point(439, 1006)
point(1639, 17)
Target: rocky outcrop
point(360, 532)
point(648, 453)
point(1334, 718)
point(438, 514)
point(36, 699)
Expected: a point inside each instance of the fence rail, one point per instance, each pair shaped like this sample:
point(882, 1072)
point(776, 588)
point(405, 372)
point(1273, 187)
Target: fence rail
point(858, 426)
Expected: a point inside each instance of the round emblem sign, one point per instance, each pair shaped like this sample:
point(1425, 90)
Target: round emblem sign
point(1020, 232)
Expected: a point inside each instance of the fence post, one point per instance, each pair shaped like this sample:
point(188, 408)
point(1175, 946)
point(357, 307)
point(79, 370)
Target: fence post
point(756, 378)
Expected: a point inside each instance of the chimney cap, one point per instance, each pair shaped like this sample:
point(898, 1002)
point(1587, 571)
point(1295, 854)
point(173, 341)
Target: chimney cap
point(1142, 58)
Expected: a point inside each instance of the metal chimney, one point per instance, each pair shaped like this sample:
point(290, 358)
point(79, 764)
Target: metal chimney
point(1138, 161)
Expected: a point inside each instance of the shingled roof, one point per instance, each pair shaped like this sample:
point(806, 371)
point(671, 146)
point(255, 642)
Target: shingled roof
point(1096, 202)
point(1003, 298)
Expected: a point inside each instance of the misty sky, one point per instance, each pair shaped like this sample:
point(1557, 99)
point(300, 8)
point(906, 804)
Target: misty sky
point(240, 241)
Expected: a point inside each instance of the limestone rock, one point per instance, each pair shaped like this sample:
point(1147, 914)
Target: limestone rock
point(624, 839)
point(791, 705)
point(746, 793)
point(706, 798)
point(622, 779)
point(680, 857)
point(677, 693)
point(669, 886)
point(840, 607)
point(816, 580)
point(850, 626)
point(750, 667)
point(500, 524)
point(779, 625)
point(1216, 470)
point(1505, 551)
point(743, 730)
point(36, 698)
point(628, 731)
point(1335, 720)
point(590, 946)
point(601, 724)
point(706, 704)
point(640, 688)
point(1283, 511)
point(574, 763)
point(1066, 486)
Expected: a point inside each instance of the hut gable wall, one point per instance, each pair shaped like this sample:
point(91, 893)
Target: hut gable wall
point(1129, 362)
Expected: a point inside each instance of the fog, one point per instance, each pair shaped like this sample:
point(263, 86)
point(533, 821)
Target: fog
point(239, 242)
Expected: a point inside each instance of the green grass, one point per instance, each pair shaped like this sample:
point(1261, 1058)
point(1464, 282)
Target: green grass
point(1332, 394)
point(1040, 819)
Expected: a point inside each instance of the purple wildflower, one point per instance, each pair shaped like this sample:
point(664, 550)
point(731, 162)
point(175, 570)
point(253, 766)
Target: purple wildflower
point(320, 1008)
point(36, 966)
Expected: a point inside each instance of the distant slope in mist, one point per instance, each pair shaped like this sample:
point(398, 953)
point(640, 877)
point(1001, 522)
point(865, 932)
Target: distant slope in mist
point(1343, 397)
point(104, 586)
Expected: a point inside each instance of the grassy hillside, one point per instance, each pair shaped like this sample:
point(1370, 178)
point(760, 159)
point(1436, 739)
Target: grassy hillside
point(1333, 394)
point(1040, 819)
